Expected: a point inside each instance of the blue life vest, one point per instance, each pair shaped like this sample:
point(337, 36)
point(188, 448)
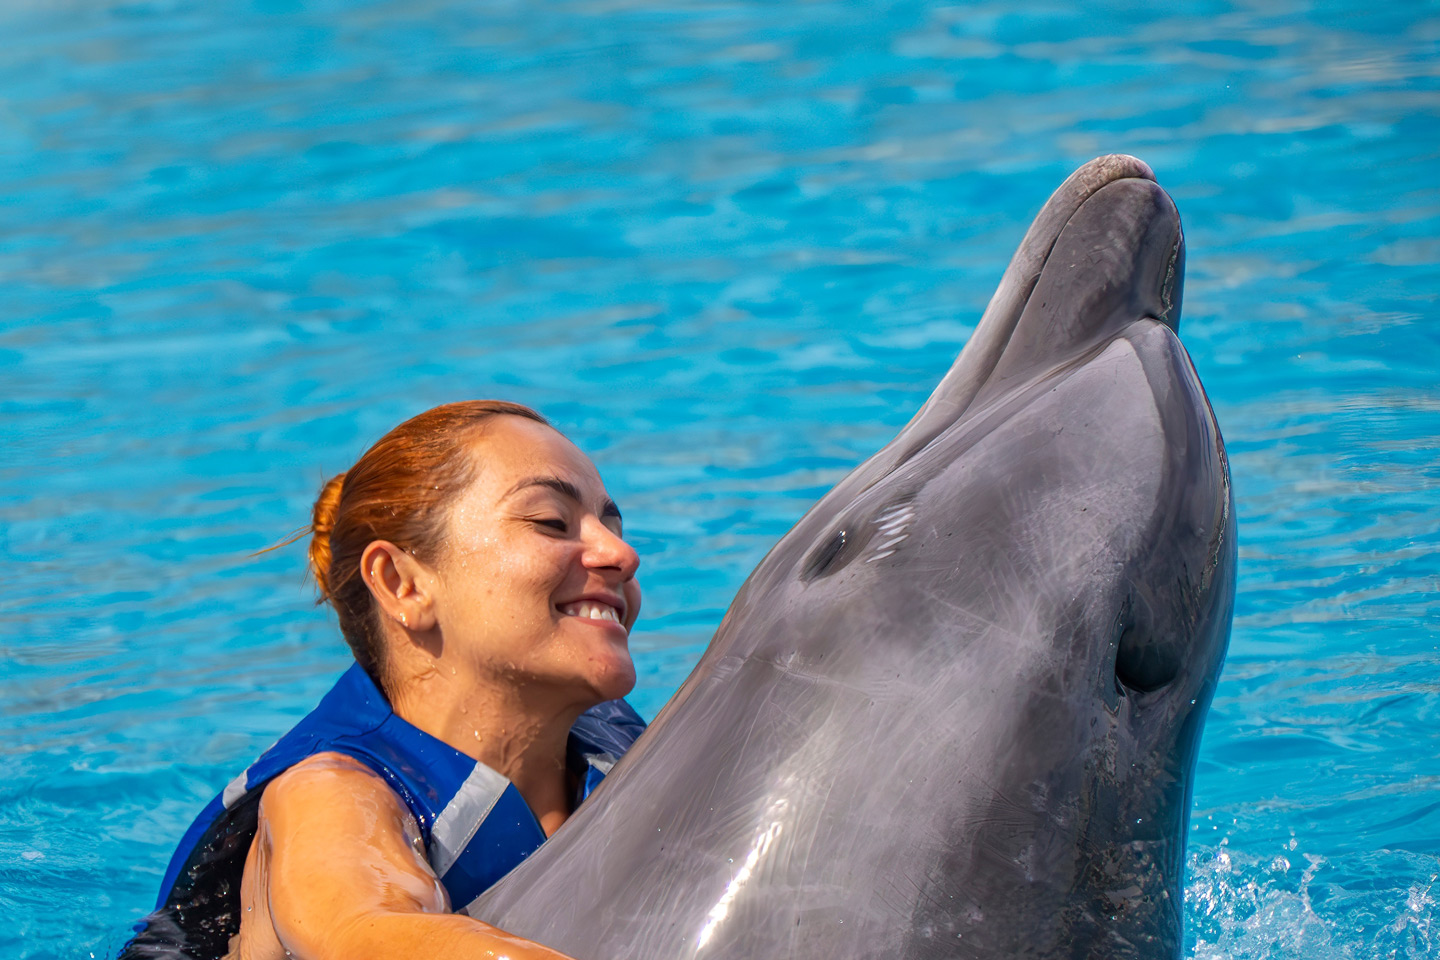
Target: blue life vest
point(475, 824)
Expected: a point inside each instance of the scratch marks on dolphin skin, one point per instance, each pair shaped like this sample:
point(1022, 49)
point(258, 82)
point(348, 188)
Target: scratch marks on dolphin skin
point(891, 527)
point(1167, 286)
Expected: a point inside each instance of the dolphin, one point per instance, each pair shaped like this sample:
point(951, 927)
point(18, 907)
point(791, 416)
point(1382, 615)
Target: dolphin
point(955, 711)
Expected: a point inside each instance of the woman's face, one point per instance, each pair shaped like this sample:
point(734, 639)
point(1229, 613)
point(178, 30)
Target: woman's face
point(536, 587)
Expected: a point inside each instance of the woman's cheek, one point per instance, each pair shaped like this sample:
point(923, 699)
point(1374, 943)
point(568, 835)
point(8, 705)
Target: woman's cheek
point(632, 603)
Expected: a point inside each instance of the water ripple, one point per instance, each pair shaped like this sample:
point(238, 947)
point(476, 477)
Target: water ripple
point(729, 248)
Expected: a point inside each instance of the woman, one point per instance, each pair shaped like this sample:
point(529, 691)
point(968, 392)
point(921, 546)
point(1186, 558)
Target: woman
point(480, 577)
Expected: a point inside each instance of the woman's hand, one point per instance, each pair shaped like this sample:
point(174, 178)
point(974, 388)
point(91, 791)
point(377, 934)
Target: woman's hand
point(338, 870)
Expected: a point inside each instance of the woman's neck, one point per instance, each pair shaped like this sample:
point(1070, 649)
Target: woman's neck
point(522, 738)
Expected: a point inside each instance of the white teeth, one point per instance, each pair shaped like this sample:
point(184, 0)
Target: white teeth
point(591, 610)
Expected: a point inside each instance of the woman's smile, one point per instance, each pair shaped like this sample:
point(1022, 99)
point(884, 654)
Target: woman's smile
point(607, 610)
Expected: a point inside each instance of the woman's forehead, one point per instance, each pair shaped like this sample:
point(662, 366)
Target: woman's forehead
point(511, 450)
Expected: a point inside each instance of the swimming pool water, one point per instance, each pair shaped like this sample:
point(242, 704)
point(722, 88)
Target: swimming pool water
point(729, 247)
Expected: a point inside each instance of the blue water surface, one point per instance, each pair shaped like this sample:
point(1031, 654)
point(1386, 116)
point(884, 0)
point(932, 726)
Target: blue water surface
point(729, 247)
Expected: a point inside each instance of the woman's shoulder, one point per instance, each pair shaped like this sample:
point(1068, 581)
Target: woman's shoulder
point(330, 781)
point(330, 815)
point(332, 801)
point(334, 846)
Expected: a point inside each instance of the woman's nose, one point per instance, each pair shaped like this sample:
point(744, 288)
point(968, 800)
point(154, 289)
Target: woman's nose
point(605, 548)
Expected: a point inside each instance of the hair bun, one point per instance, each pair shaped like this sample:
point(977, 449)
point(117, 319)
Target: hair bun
point(322, 521)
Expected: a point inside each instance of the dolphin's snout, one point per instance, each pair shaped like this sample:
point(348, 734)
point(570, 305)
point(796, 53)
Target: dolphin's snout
point(992, 338)
point(1114, 262)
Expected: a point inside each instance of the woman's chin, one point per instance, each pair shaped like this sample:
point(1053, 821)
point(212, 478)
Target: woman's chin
point(614, 679)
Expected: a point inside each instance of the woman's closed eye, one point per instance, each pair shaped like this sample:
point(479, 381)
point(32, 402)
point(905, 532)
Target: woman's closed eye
point(554, 523)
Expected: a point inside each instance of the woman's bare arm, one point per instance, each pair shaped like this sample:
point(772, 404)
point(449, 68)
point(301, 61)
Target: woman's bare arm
point(342, 868)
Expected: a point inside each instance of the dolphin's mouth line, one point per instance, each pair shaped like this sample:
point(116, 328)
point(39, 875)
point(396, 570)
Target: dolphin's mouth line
point(978, 422)
point(981, 420)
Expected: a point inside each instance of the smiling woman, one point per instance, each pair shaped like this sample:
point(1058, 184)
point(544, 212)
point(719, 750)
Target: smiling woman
point(481, 578)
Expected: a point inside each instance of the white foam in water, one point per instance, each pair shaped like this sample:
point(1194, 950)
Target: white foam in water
point(1296, 904)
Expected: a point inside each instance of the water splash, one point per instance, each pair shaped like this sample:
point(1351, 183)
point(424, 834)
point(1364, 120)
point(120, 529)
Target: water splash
point(1375, 906)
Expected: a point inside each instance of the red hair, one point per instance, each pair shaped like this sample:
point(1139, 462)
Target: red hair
point(397, 491)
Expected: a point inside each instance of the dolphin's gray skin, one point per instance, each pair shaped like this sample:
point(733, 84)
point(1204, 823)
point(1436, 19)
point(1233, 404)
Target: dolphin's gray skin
point(954, 712)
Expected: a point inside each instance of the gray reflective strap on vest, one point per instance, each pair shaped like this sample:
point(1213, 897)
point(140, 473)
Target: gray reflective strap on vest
point(235, 789)
point(600, 761)
point(238, 787)
point(463, 815)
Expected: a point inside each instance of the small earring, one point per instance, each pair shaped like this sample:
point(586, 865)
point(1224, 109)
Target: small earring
point(403, 620)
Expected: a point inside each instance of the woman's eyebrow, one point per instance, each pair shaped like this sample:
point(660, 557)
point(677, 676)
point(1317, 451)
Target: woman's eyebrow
point(565, 488)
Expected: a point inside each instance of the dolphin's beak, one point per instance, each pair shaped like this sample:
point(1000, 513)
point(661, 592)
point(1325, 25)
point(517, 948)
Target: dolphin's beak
point(1083, 269)
point(1013, 298)
point(1119, 258)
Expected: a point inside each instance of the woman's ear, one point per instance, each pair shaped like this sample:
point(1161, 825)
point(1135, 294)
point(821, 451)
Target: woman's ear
point(402, 585)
